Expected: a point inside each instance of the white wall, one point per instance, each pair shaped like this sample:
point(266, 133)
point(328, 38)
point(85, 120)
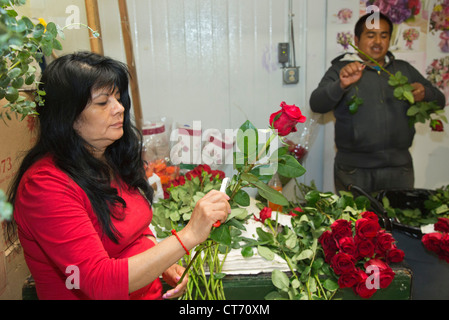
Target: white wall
point(216, 61)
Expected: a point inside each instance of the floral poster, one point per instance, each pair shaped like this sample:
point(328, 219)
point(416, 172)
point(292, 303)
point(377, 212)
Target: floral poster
point(420, 34)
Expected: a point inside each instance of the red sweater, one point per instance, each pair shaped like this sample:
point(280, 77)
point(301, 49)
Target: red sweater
point(58, 230)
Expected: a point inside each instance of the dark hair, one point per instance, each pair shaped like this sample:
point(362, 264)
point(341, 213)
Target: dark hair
point(68, 82)
point(361, 23)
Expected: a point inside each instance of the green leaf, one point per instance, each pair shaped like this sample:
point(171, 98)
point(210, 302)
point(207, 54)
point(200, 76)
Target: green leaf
point(247, 141)
point(280, 280)
point(52, 29)
point(305, 254)
point(398, 93)
point(39, 30)
point(14, 73)
point(268, 193)
point(238, 213)
point(222, 235)
point(57, 45)
point(242, 198)
point(247, 252)
point(330, 284)
point(409, 96)
point(11, 94)
point(265, 253)
point(265, 237)
point(30, 80)
point(353, 108)
point(289, 167)
point(17, 83)
point(219, 276)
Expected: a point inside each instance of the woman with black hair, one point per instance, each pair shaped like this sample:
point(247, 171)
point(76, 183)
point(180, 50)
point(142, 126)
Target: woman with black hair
point(81, 200)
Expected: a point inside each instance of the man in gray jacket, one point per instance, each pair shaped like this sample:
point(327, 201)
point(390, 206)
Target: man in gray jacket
point(373, 143)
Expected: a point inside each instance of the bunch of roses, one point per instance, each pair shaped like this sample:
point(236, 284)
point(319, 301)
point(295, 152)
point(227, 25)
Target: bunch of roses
point(411, 34)
point(438, 72)
point(200, 171)
point(344, 15)
point(397, 10)
point(439, 19)
point(350, 247)
point(438, 242)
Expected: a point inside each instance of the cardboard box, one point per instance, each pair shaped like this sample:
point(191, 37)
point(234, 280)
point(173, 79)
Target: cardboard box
point(16, 137)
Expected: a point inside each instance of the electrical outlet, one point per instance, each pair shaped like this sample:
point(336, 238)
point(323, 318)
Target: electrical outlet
point(283, 52)
point(291, 75)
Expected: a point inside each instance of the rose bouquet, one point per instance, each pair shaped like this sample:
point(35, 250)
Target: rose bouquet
point(439, 19)
point(397, 10)
point(438, 241)
point(359, 253)
point(330, 243)
point(410, 35)
point(438, 72)
point(344, 15)
point(438, 75)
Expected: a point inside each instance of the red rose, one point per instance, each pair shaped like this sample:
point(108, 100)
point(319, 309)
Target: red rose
point(329, 245)
point(341, 228)
point(285, 120)
point(370, 215)
point(294, 212)
point(367, 228)
point(361, 289)
point(349, 279)
point(202, 167)
point(415, 6)
point(442, 225)
point(385, 273)
point(192, 174)
point(347, 245)
point(437, 125)
point(432, 241)
point(365, 247)
point(342, 262)
point(264, 214)
point(444, 244)
point(217, 174)
point(384, 242)
point(395, 255)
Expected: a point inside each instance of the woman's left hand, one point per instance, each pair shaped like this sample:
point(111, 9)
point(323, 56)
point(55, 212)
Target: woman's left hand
point(172, 276)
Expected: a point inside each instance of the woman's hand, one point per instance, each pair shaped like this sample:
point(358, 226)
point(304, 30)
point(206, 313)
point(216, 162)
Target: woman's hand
point(213, 207)
point(172, 276)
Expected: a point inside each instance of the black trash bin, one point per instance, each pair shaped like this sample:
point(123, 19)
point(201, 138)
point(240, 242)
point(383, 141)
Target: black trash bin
point(430, 279)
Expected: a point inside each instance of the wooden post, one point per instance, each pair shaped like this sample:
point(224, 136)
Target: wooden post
point(93, 21)
point(127, 40)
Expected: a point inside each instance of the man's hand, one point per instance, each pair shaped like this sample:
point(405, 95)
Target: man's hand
point(351, 73)
point(419, 91)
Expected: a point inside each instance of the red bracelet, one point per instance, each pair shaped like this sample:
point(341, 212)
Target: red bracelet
point(173, 232)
